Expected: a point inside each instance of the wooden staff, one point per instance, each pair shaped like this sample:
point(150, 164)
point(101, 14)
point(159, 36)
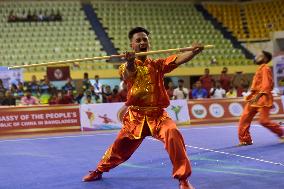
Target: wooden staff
point(107, 57)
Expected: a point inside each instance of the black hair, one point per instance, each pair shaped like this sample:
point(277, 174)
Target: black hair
point(181, 81)
point(115, 90)
point(268, 55)
point(137, 30)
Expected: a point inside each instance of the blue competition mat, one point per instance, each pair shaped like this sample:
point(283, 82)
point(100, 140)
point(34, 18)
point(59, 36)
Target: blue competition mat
point(61, 162)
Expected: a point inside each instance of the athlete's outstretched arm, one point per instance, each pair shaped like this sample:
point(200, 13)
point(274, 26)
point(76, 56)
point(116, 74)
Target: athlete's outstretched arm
point(188, 55)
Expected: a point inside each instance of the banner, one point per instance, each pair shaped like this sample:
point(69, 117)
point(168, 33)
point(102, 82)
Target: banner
point(278, 72)
point(31, 119)
point(225, 110)
point(110, 115)
point(101, 116)
point(178, 111)
point(58, 73)
point(10, 76)
point(282, 100)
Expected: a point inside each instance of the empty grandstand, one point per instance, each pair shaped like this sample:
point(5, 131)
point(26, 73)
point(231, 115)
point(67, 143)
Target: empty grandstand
point(43, 41)
point(249, 21)
point(173, 24)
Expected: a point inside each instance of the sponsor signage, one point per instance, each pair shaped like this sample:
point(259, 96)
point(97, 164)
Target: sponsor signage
point(29, 119)
point(9, 77)
point(110, 115)
point(278, 72)
point(225, 110)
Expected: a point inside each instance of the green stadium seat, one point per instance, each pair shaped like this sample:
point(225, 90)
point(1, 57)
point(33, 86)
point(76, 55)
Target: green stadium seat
point(37, 42)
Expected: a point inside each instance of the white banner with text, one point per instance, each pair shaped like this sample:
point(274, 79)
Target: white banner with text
point(110, 115)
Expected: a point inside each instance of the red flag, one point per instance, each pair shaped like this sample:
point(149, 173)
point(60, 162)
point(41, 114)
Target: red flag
point(58, 73)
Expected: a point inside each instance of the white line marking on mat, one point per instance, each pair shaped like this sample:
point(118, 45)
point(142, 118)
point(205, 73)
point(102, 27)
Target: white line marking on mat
point(214, 127)
point(58, 137)
point(230, 154)
point(237, 155)
point(107, 134)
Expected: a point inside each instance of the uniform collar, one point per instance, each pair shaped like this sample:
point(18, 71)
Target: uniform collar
point(261, 66)
point(146, 62)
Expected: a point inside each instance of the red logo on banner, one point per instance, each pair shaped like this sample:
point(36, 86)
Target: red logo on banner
point(58, 73)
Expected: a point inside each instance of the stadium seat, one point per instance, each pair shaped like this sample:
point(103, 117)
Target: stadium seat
point(37, 42)
point(249, 21)
point(173, 25)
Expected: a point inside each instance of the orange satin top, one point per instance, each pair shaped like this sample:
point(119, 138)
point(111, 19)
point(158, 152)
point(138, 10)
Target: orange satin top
point(147, 96)
point(262, 83)
point(146, 85)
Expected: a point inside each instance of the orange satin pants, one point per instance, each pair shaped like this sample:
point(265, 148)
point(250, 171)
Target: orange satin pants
point(125, 145)
point(247, 117)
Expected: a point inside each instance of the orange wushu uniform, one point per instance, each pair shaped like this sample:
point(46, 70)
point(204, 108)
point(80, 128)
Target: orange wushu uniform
point(262, 83)
point(146, 100)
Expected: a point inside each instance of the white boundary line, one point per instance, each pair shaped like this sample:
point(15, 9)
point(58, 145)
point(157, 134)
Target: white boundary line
point(236, 155)
point(214, 127)
point(87, 135)
point(230, 154)
point(153, 139)
point(55, 137)
point(112, 133)
point(206, 127)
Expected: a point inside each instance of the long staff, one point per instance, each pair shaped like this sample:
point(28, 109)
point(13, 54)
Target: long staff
point(108, 57)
